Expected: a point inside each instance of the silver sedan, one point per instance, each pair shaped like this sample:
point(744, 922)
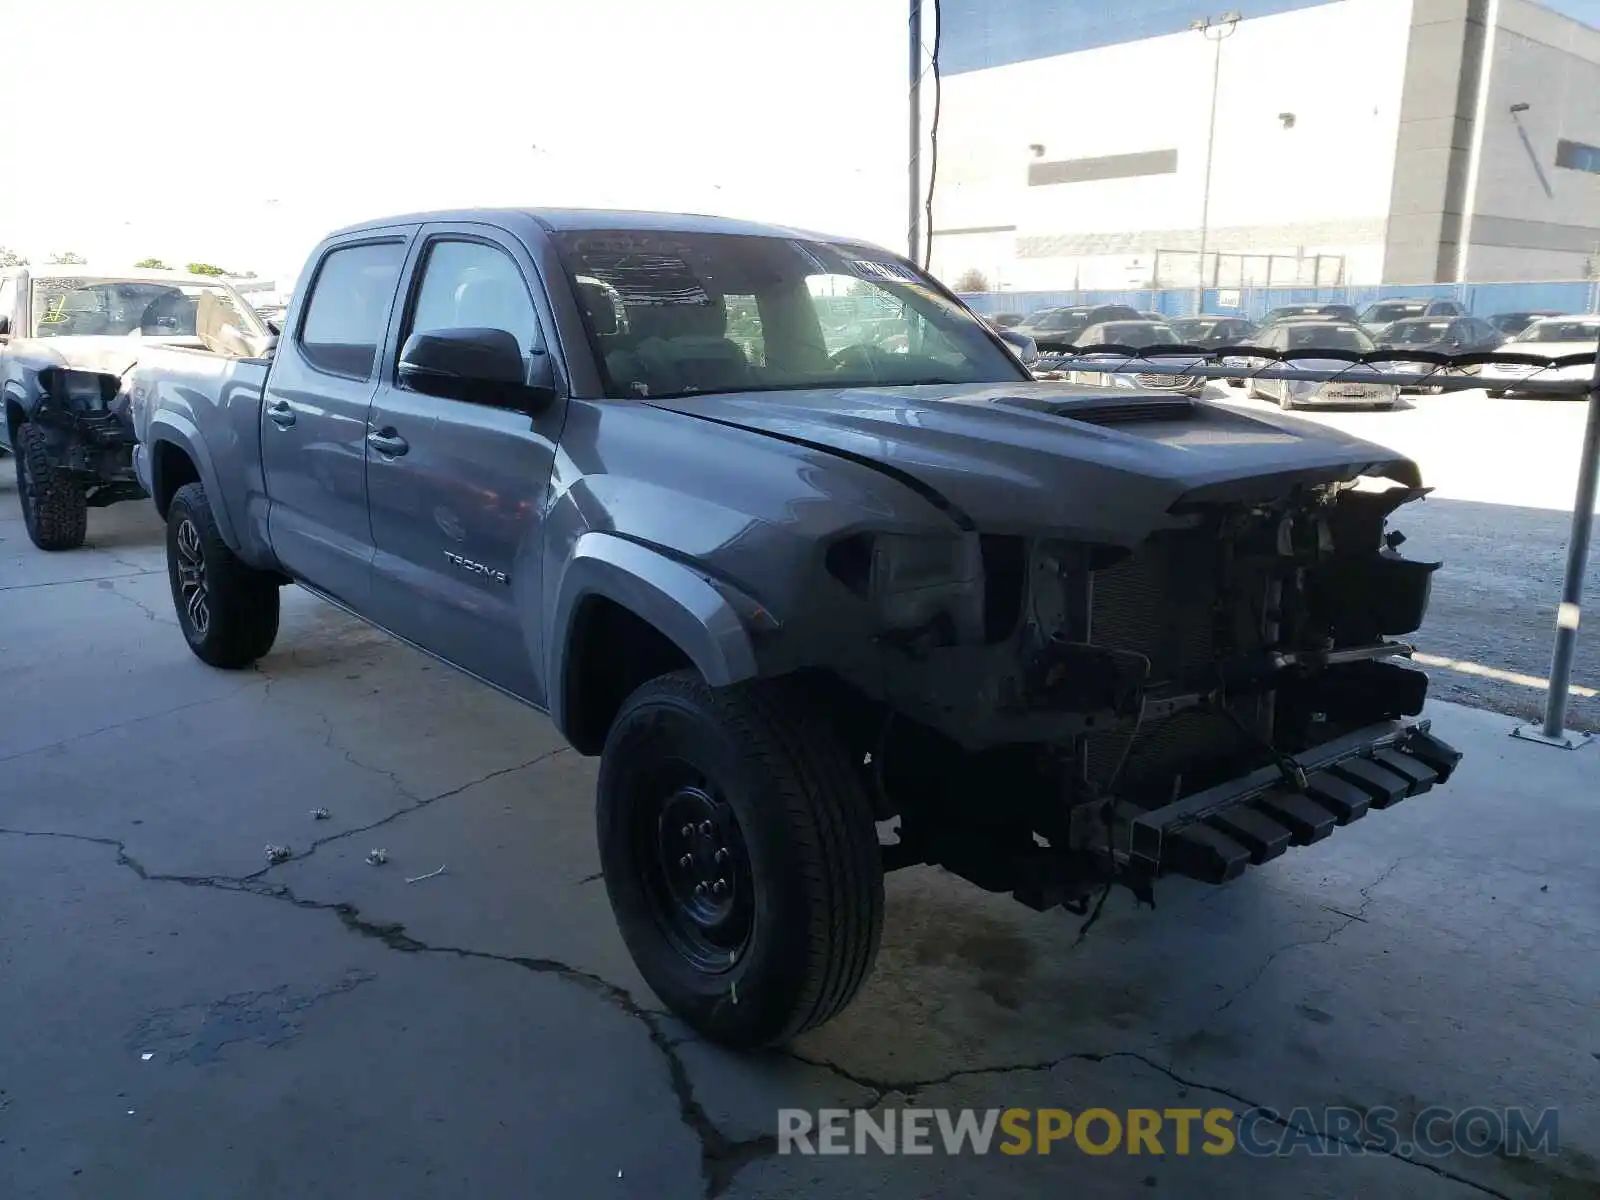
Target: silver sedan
point(1306, 393)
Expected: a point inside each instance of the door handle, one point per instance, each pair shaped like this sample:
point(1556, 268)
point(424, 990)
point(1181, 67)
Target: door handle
point(282, 413)
point(388, 443)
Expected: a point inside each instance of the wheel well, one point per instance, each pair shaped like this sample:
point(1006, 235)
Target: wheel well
point(613, 651)
point(170, 468)
point(14, 419)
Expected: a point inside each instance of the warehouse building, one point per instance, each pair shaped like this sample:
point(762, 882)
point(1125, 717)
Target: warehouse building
point(1349, 142)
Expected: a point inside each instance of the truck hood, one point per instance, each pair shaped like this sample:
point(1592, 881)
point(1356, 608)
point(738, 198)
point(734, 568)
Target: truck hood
point(108, 355)
point(1086, 463)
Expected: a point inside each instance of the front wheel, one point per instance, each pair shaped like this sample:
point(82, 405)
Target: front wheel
point(55, 509)
point(740, 856)
point(228, 610)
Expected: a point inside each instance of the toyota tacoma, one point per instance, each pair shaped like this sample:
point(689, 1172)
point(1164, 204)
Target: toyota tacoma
point(823, 608)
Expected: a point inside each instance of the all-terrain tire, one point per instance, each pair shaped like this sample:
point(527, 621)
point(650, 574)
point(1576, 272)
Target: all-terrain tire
point(228, 610)
point(55, 510)
point(799, 827)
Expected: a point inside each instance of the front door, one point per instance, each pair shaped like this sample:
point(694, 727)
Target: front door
point(457, 490)
point(314, 419)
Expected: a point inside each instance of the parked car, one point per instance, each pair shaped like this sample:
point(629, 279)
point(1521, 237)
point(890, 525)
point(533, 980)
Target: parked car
point(1513, 323)
point(784, 601)
point(1377, 317)
point(1006, 320)
point(67, 334)
point(1442, 335)
point(1053, 328)
point(1298, 312)
point(1305, 393)
point(1158, 318)
point(1213, 332)
point(1546, 338)
point(1136, 334)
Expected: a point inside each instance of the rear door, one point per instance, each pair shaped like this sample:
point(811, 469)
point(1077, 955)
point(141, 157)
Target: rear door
point(457, 490)
point(314, 415)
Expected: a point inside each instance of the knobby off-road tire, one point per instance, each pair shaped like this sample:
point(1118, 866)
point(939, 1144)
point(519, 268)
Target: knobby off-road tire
point(740, 857)
point(55, 511)
point(228, 610)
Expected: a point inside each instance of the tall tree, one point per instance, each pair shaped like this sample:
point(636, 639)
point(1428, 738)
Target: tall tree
point(972, 280)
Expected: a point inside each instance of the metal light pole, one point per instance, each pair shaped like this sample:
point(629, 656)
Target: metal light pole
point(1216, 31)
point(1554, 731)
point(914, 160)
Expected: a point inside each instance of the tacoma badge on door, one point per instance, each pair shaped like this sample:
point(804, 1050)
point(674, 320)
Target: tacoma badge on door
point(477, 568)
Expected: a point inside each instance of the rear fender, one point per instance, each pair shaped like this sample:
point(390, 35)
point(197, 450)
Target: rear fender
point(168, 432)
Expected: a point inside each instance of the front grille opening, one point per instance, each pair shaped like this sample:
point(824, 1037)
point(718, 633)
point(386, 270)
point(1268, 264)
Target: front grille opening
point(1005, 573)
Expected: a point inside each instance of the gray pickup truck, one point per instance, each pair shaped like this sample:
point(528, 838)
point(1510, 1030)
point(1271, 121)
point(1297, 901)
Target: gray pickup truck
point(825, 605)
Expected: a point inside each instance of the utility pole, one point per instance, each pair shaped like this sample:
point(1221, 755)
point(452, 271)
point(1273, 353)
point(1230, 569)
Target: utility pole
point(1215, 30)
point(914, 159)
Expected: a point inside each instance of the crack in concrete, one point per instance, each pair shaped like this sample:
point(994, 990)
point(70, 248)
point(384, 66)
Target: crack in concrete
point(115, 725)
point(721, 1157)
point(418, 802)
point(23, 587)
point(1359, 916)
point(150, 614)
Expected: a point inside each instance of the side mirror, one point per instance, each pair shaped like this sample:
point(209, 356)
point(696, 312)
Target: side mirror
point(1023, 346)
point(484, 366)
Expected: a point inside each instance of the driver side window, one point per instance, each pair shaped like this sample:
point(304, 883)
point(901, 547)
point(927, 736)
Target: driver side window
point(470, 285)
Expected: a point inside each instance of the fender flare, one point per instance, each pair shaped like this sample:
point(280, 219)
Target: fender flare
point(683, 604)
point(180, 432)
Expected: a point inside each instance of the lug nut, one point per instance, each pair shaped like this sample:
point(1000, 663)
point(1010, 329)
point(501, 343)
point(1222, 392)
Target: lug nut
point(687, 831)
point(719, 886)
point(705, 828)
point(721, 855)
point(686, 861)
point(700, 889)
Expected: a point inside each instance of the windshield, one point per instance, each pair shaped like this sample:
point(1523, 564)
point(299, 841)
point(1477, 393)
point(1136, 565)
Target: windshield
point(677, 314)
point(125, 307)
point(1560, 330)
point(1418, 333)
point(1392, 311)
point(1058, 319)
point(1131, 333)
point(1328, 336)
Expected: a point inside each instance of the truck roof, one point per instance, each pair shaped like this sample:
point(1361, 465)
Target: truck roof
point(563, 219)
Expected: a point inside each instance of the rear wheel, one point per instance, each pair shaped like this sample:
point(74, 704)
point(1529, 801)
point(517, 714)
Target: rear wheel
point(740, 856)
point(55, 510)
point(228, 611)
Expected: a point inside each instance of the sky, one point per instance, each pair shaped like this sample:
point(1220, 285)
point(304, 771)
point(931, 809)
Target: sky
point(240, 133)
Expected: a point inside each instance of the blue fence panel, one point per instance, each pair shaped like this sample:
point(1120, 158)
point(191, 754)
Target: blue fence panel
point(1482, 299)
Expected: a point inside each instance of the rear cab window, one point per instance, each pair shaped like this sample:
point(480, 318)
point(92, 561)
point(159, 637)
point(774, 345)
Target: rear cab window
point(347, 310)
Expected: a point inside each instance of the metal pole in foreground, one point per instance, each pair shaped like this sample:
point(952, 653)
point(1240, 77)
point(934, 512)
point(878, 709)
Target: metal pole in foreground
point(914, 159)
point(1554, 732)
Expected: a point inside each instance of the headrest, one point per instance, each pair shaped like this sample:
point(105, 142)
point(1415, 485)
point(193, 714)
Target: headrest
point(597, 307)
point(705, 319)
point(487, 304)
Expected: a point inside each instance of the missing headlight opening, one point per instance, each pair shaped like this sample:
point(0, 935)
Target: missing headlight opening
point(1080, 688)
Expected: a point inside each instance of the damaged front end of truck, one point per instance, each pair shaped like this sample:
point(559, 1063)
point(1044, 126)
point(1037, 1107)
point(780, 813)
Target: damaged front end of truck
point(72, 434)
point(1045, 715)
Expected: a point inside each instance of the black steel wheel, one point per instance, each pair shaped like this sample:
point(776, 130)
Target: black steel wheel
point(740, 856)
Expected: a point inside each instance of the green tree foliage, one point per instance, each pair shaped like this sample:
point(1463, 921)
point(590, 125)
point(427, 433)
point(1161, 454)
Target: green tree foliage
point(152, 264)
point(199, 268)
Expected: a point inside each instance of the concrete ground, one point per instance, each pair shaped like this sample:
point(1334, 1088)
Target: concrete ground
point(181, 1020)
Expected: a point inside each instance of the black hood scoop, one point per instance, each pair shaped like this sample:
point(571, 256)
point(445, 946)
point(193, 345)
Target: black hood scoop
point(1106, 410)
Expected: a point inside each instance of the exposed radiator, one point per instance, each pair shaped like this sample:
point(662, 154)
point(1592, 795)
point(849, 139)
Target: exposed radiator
point(1163, 602)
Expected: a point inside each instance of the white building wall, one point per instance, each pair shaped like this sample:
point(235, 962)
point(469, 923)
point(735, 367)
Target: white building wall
point(1530, 218)
point(1321, 186)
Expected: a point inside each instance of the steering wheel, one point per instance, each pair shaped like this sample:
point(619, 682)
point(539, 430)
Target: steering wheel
point(857, 356)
